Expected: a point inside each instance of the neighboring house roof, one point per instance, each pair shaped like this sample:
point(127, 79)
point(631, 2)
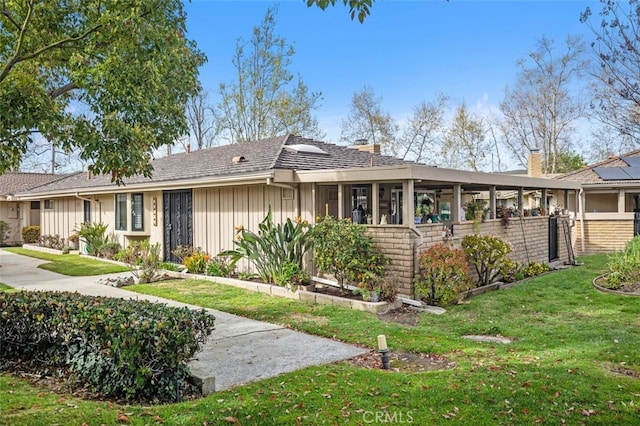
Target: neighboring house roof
point(614, 171)
point(265, 155)
point(14, 182)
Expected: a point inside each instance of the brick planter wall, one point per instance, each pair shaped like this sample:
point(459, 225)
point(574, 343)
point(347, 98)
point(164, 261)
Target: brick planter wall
point(528, 236)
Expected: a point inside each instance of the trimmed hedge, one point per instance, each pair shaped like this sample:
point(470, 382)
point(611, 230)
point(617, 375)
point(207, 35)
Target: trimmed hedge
point(129, 349)
point(30, 234)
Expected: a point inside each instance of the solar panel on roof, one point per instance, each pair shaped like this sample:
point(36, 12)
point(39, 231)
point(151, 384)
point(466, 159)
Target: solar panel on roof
point(632, 161)
point(634, 172)
point(612, 173)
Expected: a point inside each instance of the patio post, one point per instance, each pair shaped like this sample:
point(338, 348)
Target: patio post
point(341, 202)
point(456, 205)
point(375, 203)
point(492, 201)
point(408, 207)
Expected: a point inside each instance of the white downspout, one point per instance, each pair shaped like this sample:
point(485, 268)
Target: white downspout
point(78, 196)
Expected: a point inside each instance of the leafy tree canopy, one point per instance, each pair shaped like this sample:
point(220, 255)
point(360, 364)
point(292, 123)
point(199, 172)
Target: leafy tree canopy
point(108, 78)
point(359, 8)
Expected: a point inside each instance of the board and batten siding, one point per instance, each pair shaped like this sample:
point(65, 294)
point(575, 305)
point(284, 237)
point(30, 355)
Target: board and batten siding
point(219, 212)
point(66, 216)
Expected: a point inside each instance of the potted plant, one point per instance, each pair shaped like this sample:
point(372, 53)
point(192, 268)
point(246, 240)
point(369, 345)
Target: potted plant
point(74, 241)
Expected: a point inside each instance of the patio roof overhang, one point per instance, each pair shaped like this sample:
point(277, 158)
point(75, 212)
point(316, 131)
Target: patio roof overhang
point(434, 177)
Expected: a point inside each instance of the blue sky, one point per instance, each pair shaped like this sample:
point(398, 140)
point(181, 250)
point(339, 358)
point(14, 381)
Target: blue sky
point(406, 50)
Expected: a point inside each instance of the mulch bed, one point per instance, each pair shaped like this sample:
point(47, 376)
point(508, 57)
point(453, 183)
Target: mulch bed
point(403, 315)
point(404, 361)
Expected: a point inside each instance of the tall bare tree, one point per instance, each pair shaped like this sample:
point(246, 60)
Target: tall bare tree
point(201, 118)
point(423, 130)
point(465, 145)
point(540, 111)
point(266, 100)
point(368, 121)
point(617, 48)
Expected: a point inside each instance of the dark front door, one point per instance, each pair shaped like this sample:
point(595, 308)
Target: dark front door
point(178, 222)
point(553, 238)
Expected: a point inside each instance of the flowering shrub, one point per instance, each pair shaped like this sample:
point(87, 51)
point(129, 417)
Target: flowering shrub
point(487, 254)
point(30, 234)
point(197, 262)
point(444, 273)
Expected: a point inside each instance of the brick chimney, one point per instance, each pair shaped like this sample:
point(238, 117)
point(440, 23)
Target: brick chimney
point(364, 146)
point(535, 164)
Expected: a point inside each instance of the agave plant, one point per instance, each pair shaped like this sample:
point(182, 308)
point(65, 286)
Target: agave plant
point(273, 247)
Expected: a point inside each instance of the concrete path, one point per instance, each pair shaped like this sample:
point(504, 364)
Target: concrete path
point(239, 350)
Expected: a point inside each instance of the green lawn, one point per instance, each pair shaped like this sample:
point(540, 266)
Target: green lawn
point(574, 359)
point(70, 264)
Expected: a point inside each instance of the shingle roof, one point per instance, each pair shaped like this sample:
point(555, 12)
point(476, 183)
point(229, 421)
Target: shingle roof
point(587, 175)
point(258, 156)
point(14, 182)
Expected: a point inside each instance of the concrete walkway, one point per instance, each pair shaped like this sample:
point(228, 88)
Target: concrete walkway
point(239, 350)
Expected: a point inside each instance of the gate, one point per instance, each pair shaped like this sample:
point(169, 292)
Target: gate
point(178, 222)
point(553, 238)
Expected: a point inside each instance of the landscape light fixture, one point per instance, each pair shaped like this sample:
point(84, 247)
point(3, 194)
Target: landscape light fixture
point(384, 351)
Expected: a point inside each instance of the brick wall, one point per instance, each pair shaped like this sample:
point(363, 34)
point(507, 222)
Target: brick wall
point(528, 236)
point(603, 235)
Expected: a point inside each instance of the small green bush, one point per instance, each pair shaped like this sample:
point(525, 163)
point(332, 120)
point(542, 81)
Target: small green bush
point(219, 266)
point(444, 274)
point(511, 271)
point(291, 276)
point(168, 266)
point(30, 234)
point(137, 350)
point(487, 254)
point(534, 268)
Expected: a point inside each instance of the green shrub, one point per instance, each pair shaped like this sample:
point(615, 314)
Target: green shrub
point(197, 262)
point(219, 266)
point(109, 249)
point(511, 271)
point(129, 349)
point(291, 276)
point(487, 254)
point(30, 234)
point(534, 268)
point(624, 266)
point(272, 247)
point(343, 249)
point(444, 274)
point(5, 230)
point(168, 266)
point(143, 258)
